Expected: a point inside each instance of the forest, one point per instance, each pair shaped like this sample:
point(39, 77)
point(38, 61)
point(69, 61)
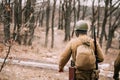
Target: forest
point(40, 29)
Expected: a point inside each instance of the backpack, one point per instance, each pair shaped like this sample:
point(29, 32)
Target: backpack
point(85, 57)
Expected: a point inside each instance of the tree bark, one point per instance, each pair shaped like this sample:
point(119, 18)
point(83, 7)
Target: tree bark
point(98, 19)
point(31, 28)
point(47, 22)
point(6, 21)
point(104, 22)
point(26, 20)
point(78, 11)
point(112, 27)
point(94, 13)
point(53, 16)
point(84, 11)
point(60, 13)
point(74, 10)
point(67, 20)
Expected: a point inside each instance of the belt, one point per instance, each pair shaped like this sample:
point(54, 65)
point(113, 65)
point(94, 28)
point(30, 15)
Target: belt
point(86, 71)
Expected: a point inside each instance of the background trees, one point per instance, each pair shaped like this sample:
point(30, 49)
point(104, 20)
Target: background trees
point(25, 16)
point(6, 14)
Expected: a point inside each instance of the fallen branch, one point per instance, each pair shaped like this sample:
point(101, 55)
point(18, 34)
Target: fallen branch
point(8, 52)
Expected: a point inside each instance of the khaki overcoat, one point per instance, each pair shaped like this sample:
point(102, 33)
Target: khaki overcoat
point(70, 50)
point(71, 47)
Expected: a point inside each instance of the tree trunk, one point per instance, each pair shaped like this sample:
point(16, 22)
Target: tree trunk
point(27, 17)
point(27, 11)
point(31, 28)
point(67, 20)
point(41, 14)
point(108, 45)
point(7, 16)
point(112, 28)
point(42, 18)
point(74, 10)
point(32, 24)
point(78, 11)
point(94, 13)
point(53, 15)
point(61, 16)
point(19, 21)
point(84, 12)
point(98, 19)
point(104, 22)
point(47, 22)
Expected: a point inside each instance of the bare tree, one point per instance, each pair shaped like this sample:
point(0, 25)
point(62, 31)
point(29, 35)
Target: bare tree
point(84, 11)
point(103, 33)
point(29, 22)
point(1, 11)
point(110, 20)
point(67, 19)
point(27, 14)
point(42, 13)
point(17, 20)
point(31, 26)
point(47, 22)
point(75, 15)
point(61, 15)
point(112, 28)
point(78, 11)
point(53, 15)
point(98, 19)
point(6, 21)
point(94, 17)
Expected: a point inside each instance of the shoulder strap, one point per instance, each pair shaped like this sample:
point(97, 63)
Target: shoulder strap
point(86, 43)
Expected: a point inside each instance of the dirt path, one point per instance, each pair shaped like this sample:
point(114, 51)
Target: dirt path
point(15, 72)
point(31, 70)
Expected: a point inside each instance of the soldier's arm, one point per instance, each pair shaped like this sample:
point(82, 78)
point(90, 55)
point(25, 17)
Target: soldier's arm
point(117, 60)
point(65, 56)
point(100, 53)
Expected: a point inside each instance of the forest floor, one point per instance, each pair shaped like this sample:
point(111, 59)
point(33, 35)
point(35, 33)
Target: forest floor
point(37, 52)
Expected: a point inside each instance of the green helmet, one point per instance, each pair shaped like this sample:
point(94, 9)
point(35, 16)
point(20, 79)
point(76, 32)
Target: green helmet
point(81, 25)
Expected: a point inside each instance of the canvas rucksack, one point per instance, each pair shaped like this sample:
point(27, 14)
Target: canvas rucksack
point(85, 58)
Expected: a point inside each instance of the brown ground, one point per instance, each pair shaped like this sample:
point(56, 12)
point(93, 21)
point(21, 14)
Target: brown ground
point(39, 53)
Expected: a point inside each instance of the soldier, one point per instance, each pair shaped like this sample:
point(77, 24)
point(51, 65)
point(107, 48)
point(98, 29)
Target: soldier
point(70, 50)
point(117, 68)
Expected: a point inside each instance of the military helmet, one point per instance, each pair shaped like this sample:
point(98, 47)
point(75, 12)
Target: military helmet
point(81, 25)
